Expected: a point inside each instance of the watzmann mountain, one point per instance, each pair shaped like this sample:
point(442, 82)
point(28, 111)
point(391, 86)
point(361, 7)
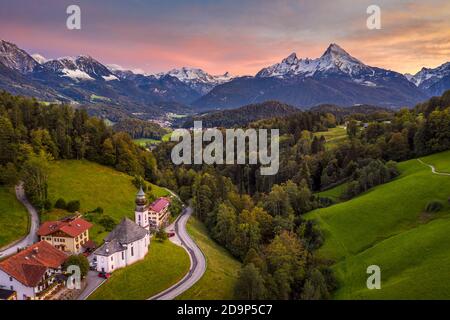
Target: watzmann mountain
point(334, 78)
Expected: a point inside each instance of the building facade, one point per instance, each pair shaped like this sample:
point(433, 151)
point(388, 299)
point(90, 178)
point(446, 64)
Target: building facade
point(153, 216)
point(126, 244)
point(32, 272)
point(69, 235)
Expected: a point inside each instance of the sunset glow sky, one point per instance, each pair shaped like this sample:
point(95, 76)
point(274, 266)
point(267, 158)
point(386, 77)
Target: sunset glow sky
point(228, 35)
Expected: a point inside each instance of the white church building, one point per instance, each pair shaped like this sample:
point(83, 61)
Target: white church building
point(129, 240)
point(127, 243)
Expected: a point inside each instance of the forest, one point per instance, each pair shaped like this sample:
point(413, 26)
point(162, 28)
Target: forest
point(259, 219)
point(32, 133)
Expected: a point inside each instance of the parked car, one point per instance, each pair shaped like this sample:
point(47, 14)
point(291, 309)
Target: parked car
point(171, 234)
point(105, 275)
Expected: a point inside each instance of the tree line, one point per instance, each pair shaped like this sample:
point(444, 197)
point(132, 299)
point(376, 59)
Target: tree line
point(260, 219)
point(33, 133)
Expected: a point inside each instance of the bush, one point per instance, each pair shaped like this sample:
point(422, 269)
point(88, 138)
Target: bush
point(80, 261)
point(161, 235)
point(97, 210)
point(47, 204)
point(73, 206)
point(107, 222)
point(60, 204)
point(434, 206)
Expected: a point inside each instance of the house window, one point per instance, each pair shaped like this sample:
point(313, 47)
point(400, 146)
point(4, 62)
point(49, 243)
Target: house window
point(111, 258)
point(10, 279)
point(123, 255)
point(132, 251)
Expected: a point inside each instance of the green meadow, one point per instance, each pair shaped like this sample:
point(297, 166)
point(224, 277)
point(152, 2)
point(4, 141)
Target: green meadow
point(94, 186)
point(163, 266)
point(221, 272)
point(13, 217)
point(387, 226)
point(333, 137)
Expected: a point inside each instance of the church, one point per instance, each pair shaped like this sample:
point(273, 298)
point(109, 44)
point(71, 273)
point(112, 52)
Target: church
point(129, 241)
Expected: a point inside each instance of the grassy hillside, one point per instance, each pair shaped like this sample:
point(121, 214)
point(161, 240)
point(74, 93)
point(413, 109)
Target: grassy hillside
point(13, 217)
point(95, 186)
point(333, 137)
point(222, 269)
point(164, 265)
point(386, 226)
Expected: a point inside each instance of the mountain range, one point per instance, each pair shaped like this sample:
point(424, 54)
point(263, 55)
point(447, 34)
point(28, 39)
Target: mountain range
point(334, 78)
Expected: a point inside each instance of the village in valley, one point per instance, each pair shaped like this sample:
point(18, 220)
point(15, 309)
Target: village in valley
point(42, 270)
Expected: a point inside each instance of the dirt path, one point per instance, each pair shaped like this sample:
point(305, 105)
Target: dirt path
point(433, 169)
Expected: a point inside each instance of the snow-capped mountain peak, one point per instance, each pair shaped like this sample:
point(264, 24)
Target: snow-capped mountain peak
point(426, 77)
point(82, 67)
point(291, 59)
point(15, 58)
point(333, 60)
point(197, 79)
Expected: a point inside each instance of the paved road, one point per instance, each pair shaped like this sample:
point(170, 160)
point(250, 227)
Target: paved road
point(34, 218)
point(93, 282)
point(433, 169)
point(198, 261)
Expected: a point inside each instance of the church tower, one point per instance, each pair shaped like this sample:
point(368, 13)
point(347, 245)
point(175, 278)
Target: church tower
point(141, 211)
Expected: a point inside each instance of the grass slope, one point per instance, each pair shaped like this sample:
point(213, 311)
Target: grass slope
point(385, 226)
point(164, 265)
point(95, 186)
point(13, 217)
point(222, 269)
point(333, 137)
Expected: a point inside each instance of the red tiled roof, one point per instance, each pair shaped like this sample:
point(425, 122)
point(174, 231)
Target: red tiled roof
point(72, 227)
point(29, 265)
point(159, 204)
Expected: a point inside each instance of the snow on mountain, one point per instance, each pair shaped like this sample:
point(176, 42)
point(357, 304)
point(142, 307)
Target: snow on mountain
point(197, 79)
point(110, 77)
point(426, 77)
point(80, 68)
point(39, 58)
point(76, 74)
point(334, 60)
point(15, 58)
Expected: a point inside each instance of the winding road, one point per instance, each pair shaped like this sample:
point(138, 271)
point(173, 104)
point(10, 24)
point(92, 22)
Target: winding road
point(34, 225)
point(198, 261)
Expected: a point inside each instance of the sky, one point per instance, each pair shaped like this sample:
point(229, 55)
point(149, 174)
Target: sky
point(238, 36)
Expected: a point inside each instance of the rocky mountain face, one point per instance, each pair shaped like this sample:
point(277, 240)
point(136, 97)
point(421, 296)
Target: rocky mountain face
point(84, 80)
point(433, 81)
point(336, 77)
point(198, 79)
point(15, 58)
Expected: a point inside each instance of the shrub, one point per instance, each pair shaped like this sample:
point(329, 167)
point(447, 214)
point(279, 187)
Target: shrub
point(161, 235)
point(47, 204)
point(434, 206)
point(97, 210)
point(73, 206)
point(107, 222)
point(60, 204)
point(80, 261)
